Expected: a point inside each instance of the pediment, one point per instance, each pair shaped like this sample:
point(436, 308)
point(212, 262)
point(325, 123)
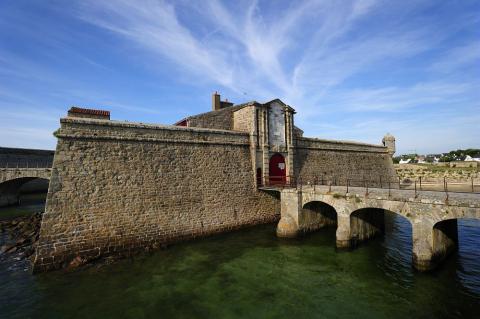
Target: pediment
point(278, 101)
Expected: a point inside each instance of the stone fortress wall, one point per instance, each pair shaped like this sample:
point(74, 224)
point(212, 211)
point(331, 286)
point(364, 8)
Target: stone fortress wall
point(118, 187)
point(341, 160)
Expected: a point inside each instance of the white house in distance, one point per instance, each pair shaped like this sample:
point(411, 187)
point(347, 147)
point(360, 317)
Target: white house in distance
point(472, 159)
point(402, 161)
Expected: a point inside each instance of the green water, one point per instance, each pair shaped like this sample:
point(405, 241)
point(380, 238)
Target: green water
point(253, 274)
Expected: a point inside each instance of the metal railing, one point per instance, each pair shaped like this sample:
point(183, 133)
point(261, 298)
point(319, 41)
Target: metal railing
point(26, 164)
point(417, 185)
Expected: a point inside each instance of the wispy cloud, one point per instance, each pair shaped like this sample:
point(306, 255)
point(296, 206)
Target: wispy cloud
point(154, 26)
point(458, 57)
point(346, 66)
point(399, 98)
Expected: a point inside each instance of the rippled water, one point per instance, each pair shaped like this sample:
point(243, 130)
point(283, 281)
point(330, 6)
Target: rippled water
point(253, 274)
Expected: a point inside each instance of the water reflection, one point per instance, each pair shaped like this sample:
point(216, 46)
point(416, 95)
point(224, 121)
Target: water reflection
point(468, 256)
point(397, 249)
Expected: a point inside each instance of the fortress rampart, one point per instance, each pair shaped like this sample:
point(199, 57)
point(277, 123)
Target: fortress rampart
point(118, 187)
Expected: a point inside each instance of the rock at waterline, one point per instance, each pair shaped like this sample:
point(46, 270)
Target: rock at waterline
point(22, 235)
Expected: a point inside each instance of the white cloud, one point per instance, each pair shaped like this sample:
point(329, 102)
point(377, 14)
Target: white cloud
point(399, 98)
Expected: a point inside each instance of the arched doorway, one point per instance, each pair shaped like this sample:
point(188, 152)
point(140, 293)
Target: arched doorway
point(277, 170)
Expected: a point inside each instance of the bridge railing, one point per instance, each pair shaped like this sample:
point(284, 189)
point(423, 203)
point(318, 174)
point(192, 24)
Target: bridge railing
point(445, 185)
point(26, 164)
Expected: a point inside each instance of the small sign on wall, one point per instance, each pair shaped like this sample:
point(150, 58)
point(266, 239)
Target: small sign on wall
point(281, 166)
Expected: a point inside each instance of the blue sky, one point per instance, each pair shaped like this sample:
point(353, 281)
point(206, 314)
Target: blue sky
point(353, 70)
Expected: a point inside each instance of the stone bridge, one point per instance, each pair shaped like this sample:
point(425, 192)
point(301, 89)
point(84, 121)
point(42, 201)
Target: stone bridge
point(358, 214)
point(12, 179)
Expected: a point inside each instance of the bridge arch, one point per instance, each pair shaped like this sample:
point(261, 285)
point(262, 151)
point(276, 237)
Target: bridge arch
point(10, 189)
point(315, 215)
point(368, 222)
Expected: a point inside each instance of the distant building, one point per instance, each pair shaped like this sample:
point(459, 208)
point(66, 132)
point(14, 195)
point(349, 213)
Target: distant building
point(421, 159)
point(405, 161)
point(468, 158)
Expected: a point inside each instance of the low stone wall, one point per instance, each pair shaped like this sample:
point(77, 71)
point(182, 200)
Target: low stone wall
point(342, 160)
point(119, 187)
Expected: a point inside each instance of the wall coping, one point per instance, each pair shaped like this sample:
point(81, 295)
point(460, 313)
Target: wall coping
point(149, 126)
point(334, 144)
point(343, 142)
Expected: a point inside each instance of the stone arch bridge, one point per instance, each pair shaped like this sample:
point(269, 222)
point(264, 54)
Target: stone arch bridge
point(358, 214)
point(12, 179)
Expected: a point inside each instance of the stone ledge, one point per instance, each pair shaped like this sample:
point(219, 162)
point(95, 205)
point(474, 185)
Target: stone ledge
point(344, 146)
point(139, 125)
point(148, 139)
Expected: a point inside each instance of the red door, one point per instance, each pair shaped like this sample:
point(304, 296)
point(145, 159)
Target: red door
point(277, 170)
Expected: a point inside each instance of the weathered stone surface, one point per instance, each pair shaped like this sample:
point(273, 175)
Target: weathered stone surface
point(118, 187)
point(337, 161)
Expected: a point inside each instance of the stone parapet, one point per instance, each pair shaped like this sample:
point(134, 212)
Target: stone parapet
point(78, 128)
point(341, 146)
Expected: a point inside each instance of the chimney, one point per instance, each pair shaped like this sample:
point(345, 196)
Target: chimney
point(215, 101)
point(88, 113)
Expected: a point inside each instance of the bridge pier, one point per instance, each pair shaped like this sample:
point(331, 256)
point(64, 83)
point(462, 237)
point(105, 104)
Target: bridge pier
point(343, 234)
point(357, 227)
point(433, 243)
point(291, 204)
point(297, 218)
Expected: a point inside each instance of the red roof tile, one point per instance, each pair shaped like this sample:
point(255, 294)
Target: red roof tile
point(75, 109)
